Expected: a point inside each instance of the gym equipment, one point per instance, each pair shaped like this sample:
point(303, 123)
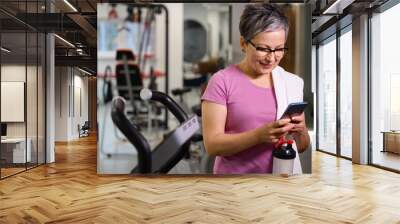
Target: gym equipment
point(143, 34)
point(170, 151)
point(128, 77)
point(147, 39)
point(180, 92)
point(206, 162)
point(129, 87)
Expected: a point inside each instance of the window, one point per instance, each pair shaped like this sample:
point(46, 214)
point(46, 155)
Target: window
point(346, 93)
point(385, 89)
point(327, 96)
point(22, 77)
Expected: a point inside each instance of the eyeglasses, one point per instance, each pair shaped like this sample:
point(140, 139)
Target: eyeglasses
point(263, 51)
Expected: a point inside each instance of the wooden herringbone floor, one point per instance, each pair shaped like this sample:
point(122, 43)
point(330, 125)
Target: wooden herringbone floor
point(70, 191)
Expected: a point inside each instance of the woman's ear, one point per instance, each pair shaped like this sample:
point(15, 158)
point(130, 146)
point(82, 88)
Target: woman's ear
point(242, 44)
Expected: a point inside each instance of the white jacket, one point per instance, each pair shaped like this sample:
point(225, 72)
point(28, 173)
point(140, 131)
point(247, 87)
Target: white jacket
point(288, 89)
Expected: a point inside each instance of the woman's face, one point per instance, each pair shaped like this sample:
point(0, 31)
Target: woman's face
point(259, 61)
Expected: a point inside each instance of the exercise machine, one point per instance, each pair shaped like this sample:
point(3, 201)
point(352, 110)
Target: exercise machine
point(204, 160)
point(171, 150)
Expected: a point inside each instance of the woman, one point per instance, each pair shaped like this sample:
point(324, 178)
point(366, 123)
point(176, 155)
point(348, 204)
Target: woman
point(242, 102)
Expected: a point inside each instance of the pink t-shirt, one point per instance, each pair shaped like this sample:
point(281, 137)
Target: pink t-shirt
point(248, 107)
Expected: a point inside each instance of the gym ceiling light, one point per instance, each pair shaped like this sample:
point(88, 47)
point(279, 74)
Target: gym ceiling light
point(5, 50)
point(70, 5)
point(65, 41)
point(337, 7)
point(84, 71)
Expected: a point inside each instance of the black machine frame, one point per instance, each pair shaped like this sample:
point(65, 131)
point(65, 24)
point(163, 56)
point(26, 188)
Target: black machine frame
point(169, 152)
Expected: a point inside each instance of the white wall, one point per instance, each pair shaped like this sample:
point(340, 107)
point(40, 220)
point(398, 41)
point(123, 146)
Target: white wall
point(79, 117)
point(237, 10)
point(213, 21)
point(33, 105)
point(61, 103)
point(85, 98)
point(14, 73)
point(224, 28)
point(17, 73)
point(67, 115)
point(196, 11)
point(175, 44)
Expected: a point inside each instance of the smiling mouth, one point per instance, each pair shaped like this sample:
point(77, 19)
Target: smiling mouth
point(265, 64)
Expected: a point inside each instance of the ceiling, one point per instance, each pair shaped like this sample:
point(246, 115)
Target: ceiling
point(80, 27)
point(325, 24)
point(21, 20)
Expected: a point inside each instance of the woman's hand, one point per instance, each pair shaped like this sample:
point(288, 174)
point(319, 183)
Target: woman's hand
point(272, 132)
point(299, 123)
point(300, 132)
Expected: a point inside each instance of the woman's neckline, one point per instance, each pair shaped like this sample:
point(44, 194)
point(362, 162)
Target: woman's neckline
point(236, 66)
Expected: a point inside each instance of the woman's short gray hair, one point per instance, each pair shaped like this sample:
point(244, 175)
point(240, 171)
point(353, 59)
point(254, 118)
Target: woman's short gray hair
point(257, 18)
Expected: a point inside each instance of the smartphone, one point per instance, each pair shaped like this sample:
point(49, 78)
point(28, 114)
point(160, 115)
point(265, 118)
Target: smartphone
point(294, 108)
